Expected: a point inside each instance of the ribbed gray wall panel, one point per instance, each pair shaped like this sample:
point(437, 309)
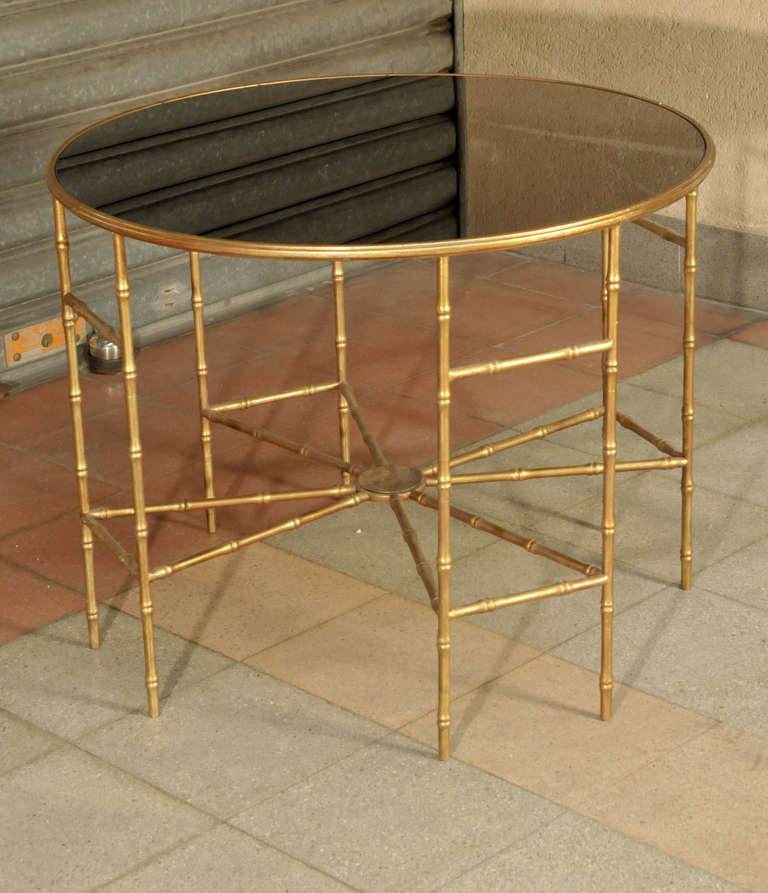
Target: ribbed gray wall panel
point(64, 65)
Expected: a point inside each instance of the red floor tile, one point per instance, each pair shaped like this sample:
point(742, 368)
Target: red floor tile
point(510, 397)
point(34, 490)
point(52, 549)
point(487, 264)
point(554, 279)
point(170, 438)
point(166, 365)
point(489, 312)
point(406, 428)
point(290, 324)
point(286, 369)
point(642, 342)
point(711, 317)
point(29, 601)
point(45, 408)
point(386, 352)
point(756, 334)
point(392, 284)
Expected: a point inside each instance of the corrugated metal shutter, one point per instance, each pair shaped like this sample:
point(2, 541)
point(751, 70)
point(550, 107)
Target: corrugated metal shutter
point(66, 65)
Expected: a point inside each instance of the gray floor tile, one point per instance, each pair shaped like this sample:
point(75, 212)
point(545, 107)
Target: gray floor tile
point(524, 503)
point(730, 377)
point(659, 413)
point(648, 525)
point(53, 679)
point(503, 569)
point(581, 856)
point(232, 740)
point(736, 464)
point(742, 576)
point(228, 861)
point(393, 817)
point(695, 649)
point(69, 822)
point(21, 742)
point(367, 544)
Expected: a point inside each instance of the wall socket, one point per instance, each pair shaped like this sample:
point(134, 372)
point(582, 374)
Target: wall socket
point(38, 339)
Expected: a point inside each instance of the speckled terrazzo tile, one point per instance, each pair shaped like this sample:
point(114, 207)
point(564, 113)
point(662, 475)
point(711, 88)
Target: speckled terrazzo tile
point(579, 855)
point(539, 726)
point(697, 649)
point(251, 600)
point(21, 742)
point(228, 861)
point(648, 525)
point(232, 740)
point(742, 576)
point(503, 569)
point(392, 817)
point(53, 679)
point(367, 544)
point(730, 377)
point(703, 802)
point(659, 413)
point(736, 465)
point(380, 660)
point(70, 822)
point(524, 503)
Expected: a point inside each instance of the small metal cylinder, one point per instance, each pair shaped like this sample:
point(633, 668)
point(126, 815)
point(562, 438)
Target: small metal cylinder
point(103, 356)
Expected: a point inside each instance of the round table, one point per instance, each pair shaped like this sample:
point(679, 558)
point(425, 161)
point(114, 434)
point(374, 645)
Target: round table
point(374, 167)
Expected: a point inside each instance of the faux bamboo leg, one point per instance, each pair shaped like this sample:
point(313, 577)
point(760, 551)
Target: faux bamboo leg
point(689, 344)
point(137, 474)
point(444, 510)
point(610, 367)
point(76, 401)
point(604, 291)
point(202, 384)
point(341, 364)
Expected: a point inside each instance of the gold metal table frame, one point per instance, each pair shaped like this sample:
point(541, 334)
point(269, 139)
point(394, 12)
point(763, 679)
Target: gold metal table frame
point(381, 481)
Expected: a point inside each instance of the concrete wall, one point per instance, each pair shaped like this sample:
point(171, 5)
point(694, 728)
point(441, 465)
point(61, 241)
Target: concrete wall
point(706, 57)
point(67, 63)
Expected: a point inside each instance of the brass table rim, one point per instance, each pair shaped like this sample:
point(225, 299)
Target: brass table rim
point(402, 250)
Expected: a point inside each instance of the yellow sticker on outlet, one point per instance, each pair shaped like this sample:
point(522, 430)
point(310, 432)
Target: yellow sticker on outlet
point(32, 342)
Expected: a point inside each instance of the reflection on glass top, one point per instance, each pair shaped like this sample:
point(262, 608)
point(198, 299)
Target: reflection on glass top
point(366, 160)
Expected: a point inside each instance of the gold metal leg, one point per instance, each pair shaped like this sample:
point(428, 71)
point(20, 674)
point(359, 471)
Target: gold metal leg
point(202, 384)
point(341, 364)
point(689, 344)
point(610, 367)
point(76, 401)
point(604, 291)
point(137, 474)
point(444, 510)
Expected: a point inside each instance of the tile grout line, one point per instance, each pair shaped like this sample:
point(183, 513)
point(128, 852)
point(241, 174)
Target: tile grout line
point(6, 559)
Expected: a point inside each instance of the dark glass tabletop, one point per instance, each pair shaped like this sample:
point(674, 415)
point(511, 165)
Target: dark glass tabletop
point(381, 160)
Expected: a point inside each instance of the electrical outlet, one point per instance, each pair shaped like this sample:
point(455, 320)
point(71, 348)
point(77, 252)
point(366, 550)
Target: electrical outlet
point(38, 339)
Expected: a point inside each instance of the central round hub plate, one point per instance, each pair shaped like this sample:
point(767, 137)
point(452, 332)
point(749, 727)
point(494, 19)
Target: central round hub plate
point(390, 480)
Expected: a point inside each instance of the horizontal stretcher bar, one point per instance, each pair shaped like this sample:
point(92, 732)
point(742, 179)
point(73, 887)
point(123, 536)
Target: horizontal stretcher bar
point(117, 549)
point(247, 402)
point(492, 604)
point(278, 440)
point(564, 353)
point(631, 425)
point(102, 327)
point(190, 505)
point(669, 235)
point(233, 545)
point(538, 433)
point(530, 545)
point(526, 474)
